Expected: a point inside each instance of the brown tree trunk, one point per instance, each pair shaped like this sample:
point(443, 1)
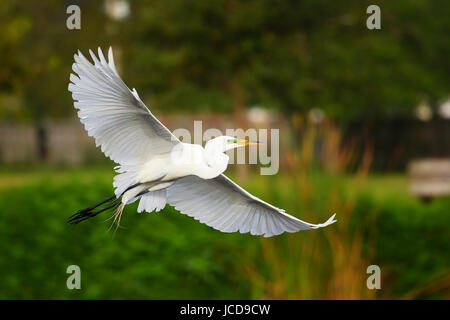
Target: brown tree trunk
point(41, 140)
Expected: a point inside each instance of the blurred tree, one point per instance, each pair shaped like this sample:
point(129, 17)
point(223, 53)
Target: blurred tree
point(38, 50)
point(293, 55)
point(13, 29)
point(224, 55)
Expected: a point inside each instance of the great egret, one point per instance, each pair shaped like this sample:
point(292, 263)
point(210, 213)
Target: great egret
point(158, 169)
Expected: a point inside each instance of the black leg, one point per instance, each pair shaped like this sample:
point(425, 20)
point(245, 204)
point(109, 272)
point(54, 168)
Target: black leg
point(94, 206)
point(78, 217)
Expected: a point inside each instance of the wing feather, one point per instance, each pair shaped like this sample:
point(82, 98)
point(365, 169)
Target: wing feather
point(223, 205)
point(115, 116)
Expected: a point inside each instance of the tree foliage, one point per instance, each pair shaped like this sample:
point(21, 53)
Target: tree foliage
point(217, 54)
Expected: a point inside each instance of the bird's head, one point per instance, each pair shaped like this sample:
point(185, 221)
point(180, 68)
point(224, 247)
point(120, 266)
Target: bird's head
point(225, 143)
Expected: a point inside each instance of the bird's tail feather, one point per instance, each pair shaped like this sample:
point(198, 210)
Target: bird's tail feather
point(117, 216)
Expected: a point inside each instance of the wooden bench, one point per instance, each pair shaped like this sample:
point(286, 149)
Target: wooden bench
point(429, 178)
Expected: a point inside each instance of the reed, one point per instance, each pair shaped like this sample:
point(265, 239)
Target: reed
point(328, 263)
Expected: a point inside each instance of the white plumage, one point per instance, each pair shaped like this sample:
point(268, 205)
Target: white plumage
point(156, 168)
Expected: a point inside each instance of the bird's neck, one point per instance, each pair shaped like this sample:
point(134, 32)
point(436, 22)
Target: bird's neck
point(216, 161)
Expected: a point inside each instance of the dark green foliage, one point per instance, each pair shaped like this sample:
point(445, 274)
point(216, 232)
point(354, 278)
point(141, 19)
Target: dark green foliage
point(413, 239)
point(169, 255)
point(221, 55)
point(292, 55)
point(158, 255)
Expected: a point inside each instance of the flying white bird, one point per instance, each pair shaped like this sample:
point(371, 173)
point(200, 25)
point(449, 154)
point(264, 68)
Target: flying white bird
point(158, 169)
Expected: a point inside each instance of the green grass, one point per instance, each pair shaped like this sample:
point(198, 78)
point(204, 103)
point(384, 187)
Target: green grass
point(168, 255)
point(158, 255)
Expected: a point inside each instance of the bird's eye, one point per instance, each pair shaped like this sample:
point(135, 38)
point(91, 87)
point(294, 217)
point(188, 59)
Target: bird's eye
point(232, 140)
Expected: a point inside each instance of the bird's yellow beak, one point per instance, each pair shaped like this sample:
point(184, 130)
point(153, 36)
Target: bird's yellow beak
point(245, 142)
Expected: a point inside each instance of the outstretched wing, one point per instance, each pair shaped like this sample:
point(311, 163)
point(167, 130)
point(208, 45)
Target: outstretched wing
point(114, 115)
point(223, 205)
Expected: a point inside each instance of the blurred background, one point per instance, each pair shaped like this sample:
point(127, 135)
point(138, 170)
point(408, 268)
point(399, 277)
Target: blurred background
point(364, 119)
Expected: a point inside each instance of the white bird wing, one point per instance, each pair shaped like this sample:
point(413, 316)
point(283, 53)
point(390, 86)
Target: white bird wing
point(223, 205)
point(114, 115)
